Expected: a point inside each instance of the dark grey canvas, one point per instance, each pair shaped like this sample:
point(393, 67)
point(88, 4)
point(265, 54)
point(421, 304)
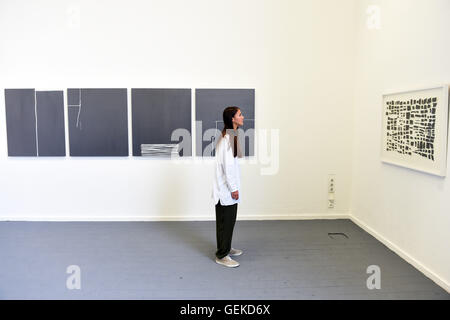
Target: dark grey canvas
point(50, 124)
point(21, 122)
point(98, 122)
point(209, 106)
point(156, 113)
point(73, 96)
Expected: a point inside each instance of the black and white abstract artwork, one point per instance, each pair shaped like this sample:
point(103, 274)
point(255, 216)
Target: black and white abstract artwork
point(411, 126)
point(161, 122)
point(35, 122)
point(98, 122)
point(415, 129)
point(210, 104)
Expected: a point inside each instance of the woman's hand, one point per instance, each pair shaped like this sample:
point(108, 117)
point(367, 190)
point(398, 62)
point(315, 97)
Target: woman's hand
point(235, 195)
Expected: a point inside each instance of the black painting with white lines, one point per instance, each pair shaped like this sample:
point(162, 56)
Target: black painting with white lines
point(35, 122)
point(98, 122)
point(157, 115)
point(210, 104)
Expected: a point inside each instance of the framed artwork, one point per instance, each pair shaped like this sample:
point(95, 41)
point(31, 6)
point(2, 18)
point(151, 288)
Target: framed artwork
point(210, 104)
point(98, 122)
point(35, 123)
point(156, 114)
point(414, 129)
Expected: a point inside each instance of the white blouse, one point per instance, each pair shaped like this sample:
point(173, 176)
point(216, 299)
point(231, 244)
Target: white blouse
point(227, 173)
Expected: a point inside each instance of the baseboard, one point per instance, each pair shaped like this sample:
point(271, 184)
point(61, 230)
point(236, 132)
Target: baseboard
point(209, 217)
point(405, 256)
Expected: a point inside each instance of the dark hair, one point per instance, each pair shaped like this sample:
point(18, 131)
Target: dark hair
point(228, 115)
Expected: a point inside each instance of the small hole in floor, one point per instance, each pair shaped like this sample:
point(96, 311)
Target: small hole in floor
point(337, 235)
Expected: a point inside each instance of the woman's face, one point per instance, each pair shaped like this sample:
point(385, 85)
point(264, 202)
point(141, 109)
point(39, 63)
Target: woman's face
point(238, 118)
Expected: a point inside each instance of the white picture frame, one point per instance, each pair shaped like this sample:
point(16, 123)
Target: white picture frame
point(415, 129)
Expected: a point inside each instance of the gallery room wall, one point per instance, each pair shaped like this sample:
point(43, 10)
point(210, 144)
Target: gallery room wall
point(406, 209)
point(297, 55)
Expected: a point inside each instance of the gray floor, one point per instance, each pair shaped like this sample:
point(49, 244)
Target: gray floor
point(174, 260)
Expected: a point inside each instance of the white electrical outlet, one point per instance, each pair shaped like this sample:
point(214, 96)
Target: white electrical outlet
point(331, 190)
point(331, 183)
point(330, 203)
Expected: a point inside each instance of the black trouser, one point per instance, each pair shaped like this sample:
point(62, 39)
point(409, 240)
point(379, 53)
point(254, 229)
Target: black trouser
point(225, 220)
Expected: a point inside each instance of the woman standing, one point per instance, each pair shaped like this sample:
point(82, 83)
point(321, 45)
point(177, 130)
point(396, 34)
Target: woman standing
point(226, 185)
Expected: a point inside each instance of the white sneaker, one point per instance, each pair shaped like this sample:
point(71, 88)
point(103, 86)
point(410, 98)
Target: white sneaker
point(235, 252)
point(227, 261)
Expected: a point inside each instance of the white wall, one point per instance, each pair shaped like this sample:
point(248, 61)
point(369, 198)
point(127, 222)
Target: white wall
point(408, 210)
point(298, 55)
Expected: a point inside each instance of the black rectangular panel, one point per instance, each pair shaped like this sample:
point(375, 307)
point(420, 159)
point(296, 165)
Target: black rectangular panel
point(209, 107)
point(21, 122)
point(98, 122)
point(156, 113)
point(50, 123)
